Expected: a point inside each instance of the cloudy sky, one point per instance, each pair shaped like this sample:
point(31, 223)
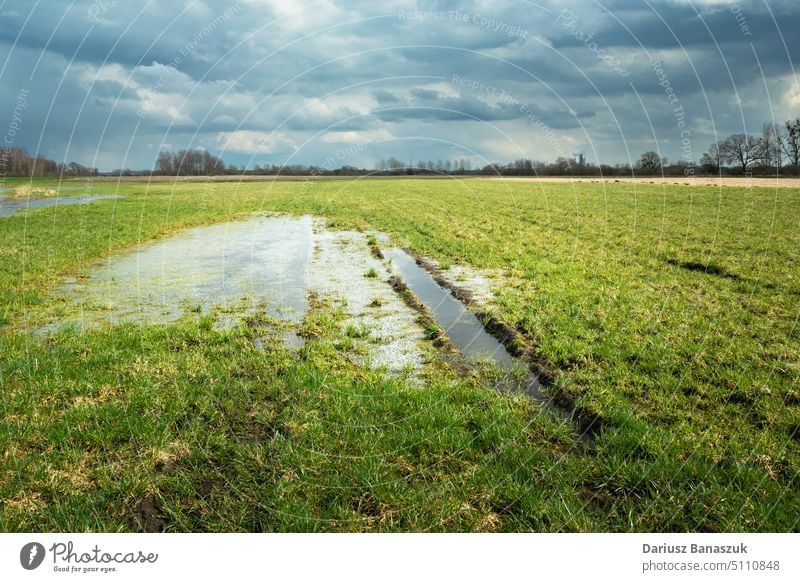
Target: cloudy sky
point(110, 83)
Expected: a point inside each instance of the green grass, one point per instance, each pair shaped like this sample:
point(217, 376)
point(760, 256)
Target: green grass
point(672, 312)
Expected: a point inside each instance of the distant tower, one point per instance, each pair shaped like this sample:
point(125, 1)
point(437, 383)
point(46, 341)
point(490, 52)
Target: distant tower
point(581, 160)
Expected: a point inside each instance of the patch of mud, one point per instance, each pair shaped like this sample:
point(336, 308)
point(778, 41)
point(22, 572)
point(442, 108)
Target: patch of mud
point(9, 208)
point(590, 424)
point(149, 515)
point(345, 269)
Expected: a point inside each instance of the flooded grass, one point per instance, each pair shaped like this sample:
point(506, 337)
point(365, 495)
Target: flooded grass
point(229, 270)
point(259, 265)
point(346, 272)
point(189, 426)
point(15, 206)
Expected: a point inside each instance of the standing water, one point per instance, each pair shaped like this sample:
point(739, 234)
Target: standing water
point(266, 262)
point(461, 326)
point(9, 208)
point(233, 267)
point(464, 329)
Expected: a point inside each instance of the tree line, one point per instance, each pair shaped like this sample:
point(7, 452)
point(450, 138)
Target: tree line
point(16, 162)
point(190, 162)
point(775, 145)
point(775, 151)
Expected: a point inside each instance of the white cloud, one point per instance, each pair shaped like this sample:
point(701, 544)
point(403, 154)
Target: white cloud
point(357, 136)
point(255, 142)
point(792, 95)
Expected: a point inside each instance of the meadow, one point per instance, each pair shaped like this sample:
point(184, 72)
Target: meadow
point(670, 312)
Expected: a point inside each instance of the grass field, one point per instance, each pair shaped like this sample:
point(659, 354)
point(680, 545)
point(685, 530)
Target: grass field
point(670, 311)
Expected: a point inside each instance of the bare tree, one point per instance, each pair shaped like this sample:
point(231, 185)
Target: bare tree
point(790, 141)
point(712, 159)
point(742, 149)
point(164, 163)
point(771, 142)
point(395, 164)
point(17, 162)
point(188, 163)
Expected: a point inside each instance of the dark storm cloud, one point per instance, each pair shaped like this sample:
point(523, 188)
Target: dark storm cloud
point(384, 97)
point(113, 31)
point(654, 25)
point(269, 79)
point(434, 106)
point(723, 41)
point(431, 105)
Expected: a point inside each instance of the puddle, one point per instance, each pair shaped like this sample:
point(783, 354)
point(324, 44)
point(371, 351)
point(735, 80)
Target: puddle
point(292, 341)
point(229, 270)
point(288, 338)
point(270, 264)
point(55, 188)
point(10, 208)
point(71, 188)
point(460, 325)
point(266, 264)
point(467, 333)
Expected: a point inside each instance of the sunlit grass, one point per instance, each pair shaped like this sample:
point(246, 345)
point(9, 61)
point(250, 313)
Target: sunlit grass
point(670, 311)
